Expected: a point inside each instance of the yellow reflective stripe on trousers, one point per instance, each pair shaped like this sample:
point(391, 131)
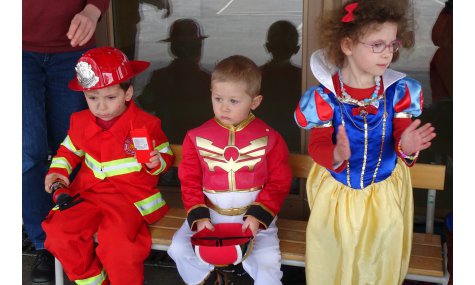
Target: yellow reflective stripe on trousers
point(67, 143)
point(61, 162)
point(113, 167)
point(95, 280)
point(150, 204)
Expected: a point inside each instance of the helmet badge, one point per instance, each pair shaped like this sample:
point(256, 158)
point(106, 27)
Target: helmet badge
point(86, 76)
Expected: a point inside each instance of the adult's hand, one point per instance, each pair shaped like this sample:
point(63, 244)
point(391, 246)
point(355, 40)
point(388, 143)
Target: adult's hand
point(83, 25)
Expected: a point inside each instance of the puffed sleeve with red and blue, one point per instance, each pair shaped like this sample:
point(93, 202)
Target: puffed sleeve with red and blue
point(315, 109)
point(315, 113)
point(408, 102)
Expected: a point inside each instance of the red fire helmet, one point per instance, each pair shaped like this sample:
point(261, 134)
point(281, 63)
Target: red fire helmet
point(226, 245)
point(104, 66)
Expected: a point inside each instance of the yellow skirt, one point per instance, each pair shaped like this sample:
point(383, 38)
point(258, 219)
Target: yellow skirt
point(359, 236)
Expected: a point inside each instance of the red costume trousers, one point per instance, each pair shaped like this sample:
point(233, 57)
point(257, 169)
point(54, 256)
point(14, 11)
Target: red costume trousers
point(122, 234)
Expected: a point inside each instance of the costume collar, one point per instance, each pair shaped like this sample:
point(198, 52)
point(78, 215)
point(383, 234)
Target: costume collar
point(240, 126)
point(323, 71)
point(120, 128)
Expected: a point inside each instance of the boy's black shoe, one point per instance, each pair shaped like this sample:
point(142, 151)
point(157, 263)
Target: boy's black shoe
point(43, 267)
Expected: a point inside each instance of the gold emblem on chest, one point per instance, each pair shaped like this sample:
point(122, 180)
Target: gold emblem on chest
point(231, 158)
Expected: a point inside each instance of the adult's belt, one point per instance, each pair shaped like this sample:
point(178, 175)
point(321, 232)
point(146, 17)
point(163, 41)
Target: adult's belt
point(226, 212)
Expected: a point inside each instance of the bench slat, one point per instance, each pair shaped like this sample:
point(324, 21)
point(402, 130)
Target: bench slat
point(292, 250)
point(291, 225)
point(426, 266)
point(162, 236)
point(176, 213)
point(292, 236)
point(168, 223)
point(426, 251)
point(426, 239)
point(300, 164)
point(428, 176)
point(426, 256)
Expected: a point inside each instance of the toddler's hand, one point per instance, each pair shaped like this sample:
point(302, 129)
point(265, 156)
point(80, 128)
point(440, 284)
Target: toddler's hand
point(204, 224)
point(252, 223)
point(415, 138)
point(154, 160)
point(50, 178)
point(83, 25)
point(342, 150)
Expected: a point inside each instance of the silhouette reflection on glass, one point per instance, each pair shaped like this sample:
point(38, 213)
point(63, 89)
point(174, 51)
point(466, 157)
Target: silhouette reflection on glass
point(179, 94)
point(126, 19)
point(281, 82)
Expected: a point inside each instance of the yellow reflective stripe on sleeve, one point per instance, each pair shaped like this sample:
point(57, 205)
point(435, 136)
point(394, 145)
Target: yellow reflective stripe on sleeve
point(164, 148)
point(163, 164)
point(95, 280)
point(150, 204)
point(61, 162)
point(112, 168)
point(67, 143)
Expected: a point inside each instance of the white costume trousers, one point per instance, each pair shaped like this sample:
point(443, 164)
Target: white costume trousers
point(263, 264)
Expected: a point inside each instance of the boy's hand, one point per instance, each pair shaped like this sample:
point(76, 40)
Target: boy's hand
point(50, 178)
point(83, 25)
point(415, 138)
point(154, 159)
point(342, 151)
point(252, 223)
point(204, 224)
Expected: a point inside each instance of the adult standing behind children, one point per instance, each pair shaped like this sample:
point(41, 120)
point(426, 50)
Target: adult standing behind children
point(234, 170)
point(55, 35)
point(362, 139)
point(119, 193)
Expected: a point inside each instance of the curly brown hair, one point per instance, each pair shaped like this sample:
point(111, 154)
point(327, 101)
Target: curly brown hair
point(368, 14)
point(238, 68)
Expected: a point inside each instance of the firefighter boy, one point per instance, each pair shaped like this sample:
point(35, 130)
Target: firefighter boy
point(119, 195)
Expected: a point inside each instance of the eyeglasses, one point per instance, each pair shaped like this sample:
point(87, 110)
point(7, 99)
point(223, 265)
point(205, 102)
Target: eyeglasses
point(379, 47)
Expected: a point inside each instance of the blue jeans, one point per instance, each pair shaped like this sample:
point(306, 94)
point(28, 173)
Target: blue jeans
point(47, 104)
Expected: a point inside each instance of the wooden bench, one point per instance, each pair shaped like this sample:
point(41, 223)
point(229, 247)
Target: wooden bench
point(427, 258)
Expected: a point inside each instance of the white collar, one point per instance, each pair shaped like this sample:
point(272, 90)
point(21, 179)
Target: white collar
point(323, 71)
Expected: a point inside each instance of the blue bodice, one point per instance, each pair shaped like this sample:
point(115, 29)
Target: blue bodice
point(354, 126)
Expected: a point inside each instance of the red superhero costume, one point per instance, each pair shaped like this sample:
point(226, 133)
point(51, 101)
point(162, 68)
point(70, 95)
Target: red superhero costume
point(246, 158)
point(228, 173)
point(120, 196)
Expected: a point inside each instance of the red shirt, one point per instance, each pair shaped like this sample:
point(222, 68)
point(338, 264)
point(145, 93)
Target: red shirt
point(45, 24)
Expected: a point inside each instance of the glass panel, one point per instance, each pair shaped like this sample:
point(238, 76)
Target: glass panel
point(184, 39)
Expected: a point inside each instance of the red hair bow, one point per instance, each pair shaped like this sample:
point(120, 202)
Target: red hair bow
point(349, 17)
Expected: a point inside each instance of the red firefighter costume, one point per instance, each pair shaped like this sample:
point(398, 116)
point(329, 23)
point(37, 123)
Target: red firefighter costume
point(228, 173)
point(120, 197)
